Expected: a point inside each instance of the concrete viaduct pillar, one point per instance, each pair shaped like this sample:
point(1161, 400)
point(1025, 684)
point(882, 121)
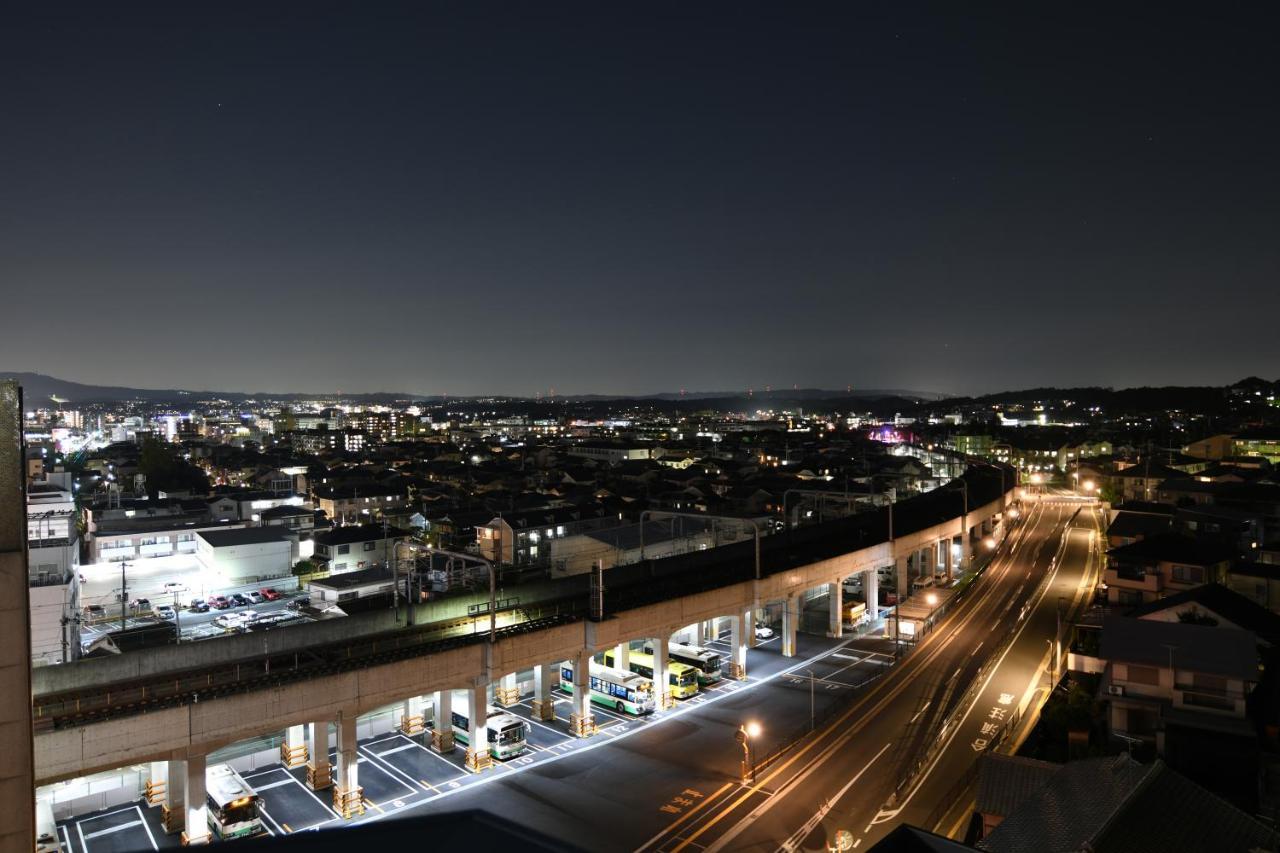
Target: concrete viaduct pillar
point(904, 577)
point(581, 721)
point(740, 625)
point(196, 829)
point(661, 671)
point(622, 656)
point(478, 756)
point(442, 721)
point(507, 693)
point(348, 796)
point(871, 587)
point(790, 620)
point(545, 677)
point(293, 749)
point(835, 608)
point(319, 774)
point(412, 720)
point(948, 559)
point(166, 787)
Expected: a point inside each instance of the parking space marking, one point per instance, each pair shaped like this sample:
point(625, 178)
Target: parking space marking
point(84, 845)
point(130, 825)
point(391, 768)
point(267, 787)
point(396, 749)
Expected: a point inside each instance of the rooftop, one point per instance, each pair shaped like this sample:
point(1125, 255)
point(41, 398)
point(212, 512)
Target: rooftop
point(242, 536)
point(1197, 648)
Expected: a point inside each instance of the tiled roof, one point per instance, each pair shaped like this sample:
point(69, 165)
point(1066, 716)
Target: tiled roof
point(1004, 781)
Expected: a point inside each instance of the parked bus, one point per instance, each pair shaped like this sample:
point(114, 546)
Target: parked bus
point(615, 688)
point(508, 734)
point(705, 661)
point(681, 678)
point(233, 806)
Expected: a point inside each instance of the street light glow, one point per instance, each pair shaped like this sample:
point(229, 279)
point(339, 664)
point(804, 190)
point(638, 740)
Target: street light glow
point(991, 542)
point(931, 599)
point(752, 729)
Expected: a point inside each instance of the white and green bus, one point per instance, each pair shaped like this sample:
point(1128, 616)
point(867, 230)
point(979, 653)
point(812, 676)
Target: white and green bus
point(508, 734)
point(614, 688)
point(234, 808)
point(682, 679)
point(705, 661)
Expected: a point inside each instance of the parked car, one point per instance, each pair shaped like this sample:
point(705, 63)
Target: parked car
point(172, 586)
point(141, 604)
point(299, 603)
point(254, 597)
point(763, 631)
point(164, 611)
point(95, 611)
point(228, 620)
point(238, 600)
point(198, 606)
point(219, 602)
point(269, 593)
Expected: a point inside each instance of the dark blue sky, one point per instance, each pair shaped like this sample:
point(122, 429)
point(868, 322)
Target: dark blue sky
point(477, 197)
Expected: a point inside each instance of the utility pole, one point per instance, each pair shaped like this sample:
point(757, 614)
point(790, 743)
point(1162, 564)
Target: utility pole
point(124, 594)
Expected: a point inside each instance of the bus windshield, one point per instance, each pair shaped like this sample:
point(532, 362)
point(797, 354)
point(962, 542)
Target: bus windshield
point(687, 678)
point(238, 811)
point(511, 734)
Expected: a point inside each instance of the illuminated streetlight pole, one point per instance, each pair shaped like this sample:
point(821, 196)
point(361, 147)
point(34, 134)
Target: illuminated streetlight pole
point(746, 732)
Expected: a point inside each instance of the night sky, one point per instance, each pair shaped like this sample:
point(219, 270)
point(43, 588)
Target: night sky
point(629, 198)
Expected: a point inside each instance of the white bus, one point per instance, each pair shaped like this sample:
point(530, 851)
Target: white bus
point(508, 735)
point(682, 680)
point(705, 661)
point(614, 688)
point(233, 806)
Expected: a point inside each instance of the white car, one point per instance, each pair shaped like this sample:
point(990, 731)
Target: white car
point(255, 597)
point(164, 611)
point(763, 631)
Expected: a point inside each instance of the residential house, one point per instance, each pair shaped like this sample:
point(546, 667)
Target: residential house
point(1159, 565)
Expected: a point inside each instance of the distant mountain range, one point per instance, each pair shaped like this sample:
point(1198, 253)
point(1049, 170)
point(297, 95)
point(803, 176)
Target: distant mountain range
point(40, 390)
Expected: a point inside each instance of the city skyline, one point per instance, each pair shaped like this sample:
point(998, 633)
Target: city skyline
point(447, 201)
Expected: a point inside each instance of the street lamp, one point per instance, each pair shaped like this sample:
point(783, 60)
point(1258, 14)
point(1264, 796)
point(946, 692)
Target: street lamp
point(745, 734)
point(932, 600)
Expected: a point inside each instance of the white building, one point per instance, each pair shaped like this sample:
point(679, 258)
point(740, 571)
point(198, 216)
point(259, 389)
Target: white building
point(247, 555)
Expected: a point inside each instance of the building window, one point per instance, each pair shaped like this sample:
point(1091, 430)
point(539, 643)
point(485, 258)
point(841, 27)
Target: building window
point(1143, 674)
point(344, 549)
point(369, 546)
point(1188, 574)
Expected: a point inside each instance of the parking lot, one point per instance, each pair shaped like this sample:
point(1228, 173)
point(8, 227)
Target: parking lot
point(400, 772)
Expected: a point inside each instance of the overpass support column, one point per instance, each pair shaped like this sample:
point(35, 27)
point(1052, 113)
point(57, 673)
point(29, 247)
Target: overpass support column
point(412, 720)
point(348, 796)
point(871, 589)
point(319, 774)
point(581, 722)
point(753, 616)
point(196, 830)
point(835, 606)
point(507, 692)
point(709, 631)
point(789, 619)
point(165, 788)
point(478, 756)
point(966, 549)
point(661, 672)
point(738, 624)
point(903, 579)
point(544, 677)
point(622, 656)
point(948, 560)
point(293, 749)
point(442, 721)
